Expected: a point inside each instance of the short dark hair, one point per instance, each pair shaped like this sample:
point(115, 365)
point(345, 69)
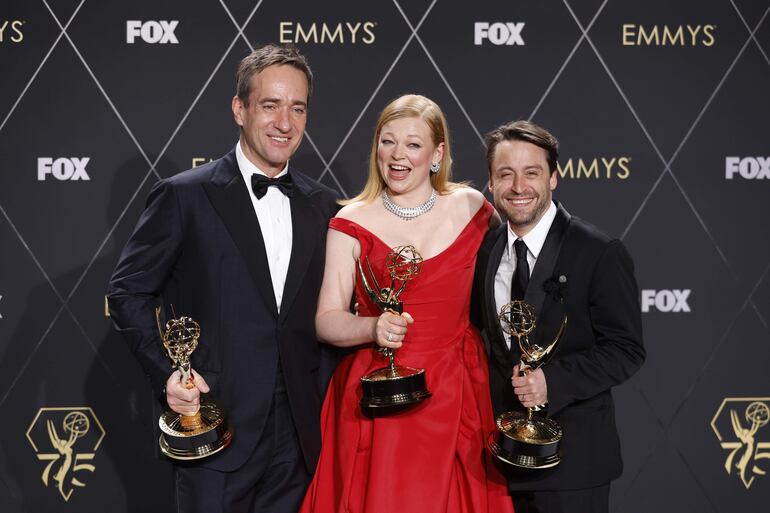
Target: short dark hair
point(270, 55)
point(523, 130)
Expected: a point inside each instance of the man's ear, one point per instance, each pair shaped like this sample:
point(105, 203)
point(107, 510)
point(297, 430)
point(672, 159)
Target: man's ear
point(238, 106)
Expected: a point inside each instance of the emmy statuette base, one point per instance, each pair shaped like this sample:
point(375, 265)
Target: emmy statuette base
point(528, 443)
point(196, 436)
point(393, 386)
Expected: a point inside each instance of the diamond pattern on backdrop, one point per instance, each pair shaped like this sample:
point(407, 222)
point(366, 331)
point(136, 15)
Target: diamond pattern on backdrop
point(677, 112)
point(29, 302)
point(681, 264)
point(152, 84)
point(725, 130)
point(607, 154)
point(513, 78)
point(29, 22)
point(665, 476)
point(740, 353)
point(37, 197)
point(659, 77)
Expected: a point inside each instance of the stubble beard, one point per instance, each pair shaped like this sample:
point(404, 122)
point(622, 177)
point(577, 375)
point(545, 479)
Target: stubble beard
point(529, 222)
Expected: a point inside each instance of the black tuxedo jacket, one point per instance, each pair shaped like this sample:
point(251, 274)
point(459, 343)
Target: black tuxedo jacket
point(601, 347)
point(198, 247)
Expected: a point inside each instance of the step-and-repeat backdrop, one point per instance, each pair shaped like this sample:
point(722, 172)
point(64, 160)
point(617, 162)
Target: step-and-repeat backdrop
point(662, 110)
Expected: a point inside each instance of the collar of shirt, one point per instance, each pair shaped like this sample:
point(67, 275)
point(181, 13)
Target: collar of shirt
point(248, 168)
point(536, 236)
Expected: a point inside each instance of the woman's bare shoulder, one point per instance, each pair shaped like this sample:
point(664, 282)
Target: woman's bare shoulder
point(466, 198)
point(353, 211)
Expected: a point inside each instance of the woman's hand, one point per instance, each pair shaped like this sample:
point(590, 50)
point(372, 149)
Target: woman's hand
point(390, 329)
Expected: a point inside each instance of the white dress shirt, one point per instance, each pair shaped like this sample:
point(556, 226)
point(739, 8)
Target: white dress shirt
point(534, 241)
point(274, 214)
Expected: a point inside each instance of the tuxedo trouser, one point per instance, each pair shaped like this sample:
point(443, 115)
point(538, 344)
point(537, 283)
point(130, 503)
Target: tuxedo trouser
point(273, 479)
point(586, 500)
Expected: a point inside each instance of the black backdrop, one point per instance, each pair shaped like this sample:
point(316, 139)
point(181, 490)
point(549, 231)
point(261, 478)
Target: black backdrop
point(661, 107)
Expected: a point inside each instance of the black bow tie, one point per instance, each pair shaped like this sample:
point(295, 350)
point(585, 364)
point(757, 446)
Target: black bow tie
point(260, 183)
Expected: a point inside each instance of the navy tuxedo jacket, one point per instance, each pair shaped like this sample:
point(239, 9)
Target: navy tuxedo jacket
point(198, 247)
point(601, 347)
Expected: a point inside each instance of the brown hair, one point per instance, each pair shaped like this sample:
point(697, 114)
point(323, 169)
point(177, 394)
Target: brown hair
point(270, 55)
point(523, 130)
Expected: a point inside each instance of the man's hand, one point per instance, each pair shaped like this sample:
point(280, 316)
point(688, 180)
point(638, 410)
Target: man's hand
point(530, 389)
point(185, 398)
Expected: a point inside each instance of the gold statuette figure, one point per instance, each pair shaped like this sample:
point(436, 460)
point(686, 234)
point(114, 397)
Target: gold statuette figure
point(189, 437)
point(393, 385)
point(748, 451)
point(521, 439)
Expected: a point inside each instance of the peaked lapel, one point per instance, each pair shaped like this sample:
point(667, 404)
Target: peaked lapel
point(307, 227)
point(229, 196)
point(546, 260)
point(550, 312)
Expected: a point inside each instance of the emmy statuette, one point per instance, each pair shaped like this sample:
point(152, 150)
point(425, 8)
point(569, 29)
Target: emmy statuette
point(521, 439)
point(189, 437)
point(394, 385)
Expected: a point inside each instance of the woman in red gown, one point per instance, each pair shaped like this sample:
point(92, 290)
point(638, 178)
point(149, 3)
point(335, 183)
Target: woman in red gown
point(430, 457)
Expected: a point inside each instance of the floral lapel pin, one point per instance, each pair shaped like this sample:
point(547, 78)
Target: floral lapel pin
point(556, 287)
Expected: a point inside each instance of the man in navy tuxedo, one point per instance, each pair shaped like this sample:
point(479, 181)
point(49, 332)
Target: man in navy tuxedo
point(562, 266)
point(238, 245)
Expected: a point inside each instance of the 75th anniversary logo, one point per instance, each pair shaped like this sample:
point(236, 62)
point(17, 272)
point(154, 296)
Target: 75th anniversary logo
point(738, 425)
point(67, 440)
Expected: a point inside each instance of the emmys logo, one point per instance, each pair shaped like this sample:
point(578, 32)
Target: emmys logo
point(341, 33)
point(740, 433)
point(67, 439)
point(602, 167)
point(750, 168)
point(62, 168)
point(152, 32)
point(498, 34)
point(663, 35)
point(14, 33)
point(666, 300)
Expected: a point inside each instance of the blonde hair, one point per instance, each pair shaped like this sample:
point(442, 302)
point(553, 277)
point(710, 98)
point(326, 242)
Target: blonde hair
point(410, 106)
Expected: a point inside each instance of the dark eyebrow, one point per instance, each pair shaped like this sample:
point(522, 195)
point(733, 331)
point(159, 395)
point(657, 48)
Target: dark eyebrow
point(526, 168)
point(278, 100)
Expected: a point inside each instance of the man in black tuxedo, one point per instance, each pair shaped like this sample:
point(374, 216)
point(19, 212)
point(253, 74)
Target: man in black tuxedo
point(561, 266)
point(238, 245)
